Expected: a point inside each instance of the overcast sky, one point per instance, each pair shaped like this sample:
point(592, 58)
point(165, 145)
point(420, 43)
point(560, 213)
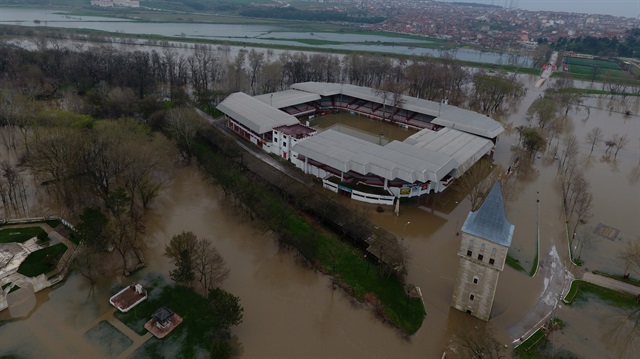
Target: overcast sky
point(628, 8)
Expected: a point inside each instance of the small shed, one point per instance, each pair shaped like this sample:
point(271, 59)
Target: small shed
point(163, 317)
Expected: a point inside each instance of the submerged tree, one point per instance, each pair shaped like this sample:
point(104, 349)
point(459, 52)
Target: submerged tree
point(594, 138)
point(620, 143)
point(195, 259)
point(478, 342)
point(531, 140)
point(630, 257)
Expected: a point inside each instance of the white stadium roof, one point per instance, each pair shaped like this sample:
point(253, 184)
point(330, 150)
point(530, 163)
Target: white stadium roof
point(287, 98)
point(465, 148)
point(395, 160)
point(320, 88)
point(256, 115)
point(445, 115)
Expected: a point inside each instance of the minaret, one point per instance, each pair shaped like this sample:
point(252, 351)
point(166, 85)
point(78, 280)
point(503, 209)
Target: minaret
point(486, 237)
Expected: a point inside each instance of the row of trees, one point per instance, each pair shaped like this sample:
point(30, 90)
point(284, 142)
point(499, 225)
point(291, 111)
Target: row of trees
point(116, 82)
point(629, 46)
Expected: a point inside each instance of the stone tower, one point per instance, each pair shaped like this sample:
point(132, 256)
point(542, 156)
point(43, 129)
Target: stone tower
point(486, 237)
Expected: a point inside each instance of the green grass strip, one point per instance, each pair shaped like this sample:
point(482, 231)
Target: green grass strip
point(534, 268)
point(18, 235)
point(530, 342)
point(42, 261)
point(581, 290)
point(363, 279)
point(514, 263)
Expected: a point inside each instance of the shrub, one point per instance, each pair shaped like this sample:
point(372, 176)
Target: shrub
point(43, 236)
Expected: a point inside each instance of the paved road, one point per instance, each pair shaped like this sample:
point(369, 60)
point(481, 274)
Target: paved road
point(556, 283)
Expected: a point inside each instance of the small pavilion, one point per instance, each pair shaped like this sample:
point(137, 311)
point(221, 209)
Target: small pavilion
point(162, 322)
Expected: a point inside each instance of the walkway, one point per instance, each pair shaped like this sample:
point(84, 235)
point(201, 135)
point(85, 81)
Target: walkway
point(137, 340)
point(611, 283)
point(556, 282)
point(556, 278)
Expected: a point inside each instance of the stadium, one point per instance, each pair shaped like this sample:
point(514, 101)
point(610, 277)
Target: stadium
point(446, 142)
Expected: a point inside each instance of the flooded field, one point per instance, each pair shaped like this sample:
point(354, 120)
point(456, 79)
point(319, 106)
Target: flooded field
point(290, 310)
point(597, 330)
point(375, 131)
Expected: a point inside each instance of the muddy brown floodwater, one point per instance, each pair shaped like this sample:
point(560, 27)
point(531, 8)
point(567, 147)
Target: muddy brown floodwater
point(291, 311)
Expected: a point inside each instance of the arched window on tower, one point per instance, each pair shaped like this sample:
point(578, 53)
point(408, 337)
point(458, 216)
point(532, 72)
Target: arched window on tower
point(481, 254)
point(470, 248)
point(492, 259)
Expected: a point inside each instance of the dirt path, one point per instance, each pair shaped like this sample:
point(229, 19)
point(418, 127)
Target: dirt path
point(611, 283)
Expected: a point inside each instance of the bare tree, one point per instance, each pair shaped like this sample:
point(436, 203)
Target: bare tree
point(184, 124)
point(610, 143)
point(630, 256)
point(569, 152)
point(594, 138)
point(476, 182)
point(88, 263)
point(620, 142)
point(585, 239)
point(195, 259)
point(12, 189)
point(210, 267)
point(256, 61)
point(478, 342)
point(584, 205)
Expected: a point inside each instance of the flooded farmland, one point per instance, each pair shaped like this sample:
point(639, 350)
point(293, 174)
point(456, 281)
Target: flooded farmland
point(291, 311)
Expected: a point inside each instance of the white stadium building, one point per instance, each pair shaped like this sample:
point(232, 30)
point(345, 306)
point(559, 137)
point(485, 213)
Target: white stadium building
point(447, 142)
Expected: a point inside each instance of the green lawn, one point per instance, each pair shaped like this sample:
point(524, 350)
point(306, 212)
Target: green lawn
point(195, 310)
point(19, 235)
point(590, 63)
point(582, 291)
point(588, 70)
point(42, 261)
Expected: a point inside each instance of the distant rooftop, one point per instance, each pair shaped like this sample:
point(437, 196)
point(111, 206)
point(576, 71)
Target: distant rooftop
point(489, 221)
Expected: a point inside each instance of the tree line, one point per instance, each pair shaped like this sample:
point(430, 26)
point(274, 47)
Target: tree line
point(629, 46)
point(208, 73)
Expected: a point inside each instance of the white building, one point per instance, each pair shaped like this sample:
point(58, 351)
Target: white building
point(115, 3)
point(266, 127)
point(448, 142)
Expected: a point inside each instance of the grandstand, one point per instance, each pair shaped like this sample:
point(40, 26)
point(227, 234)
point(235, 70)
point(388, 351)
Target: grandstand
point(447, 142)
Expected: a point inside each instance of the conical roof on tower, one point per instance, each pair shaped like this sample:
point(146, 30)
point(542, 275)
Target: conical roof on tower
point(489, 221)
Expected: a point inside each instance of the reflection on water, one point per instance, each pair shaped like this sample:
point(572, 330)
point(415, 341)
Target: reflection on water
point(250, 34)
